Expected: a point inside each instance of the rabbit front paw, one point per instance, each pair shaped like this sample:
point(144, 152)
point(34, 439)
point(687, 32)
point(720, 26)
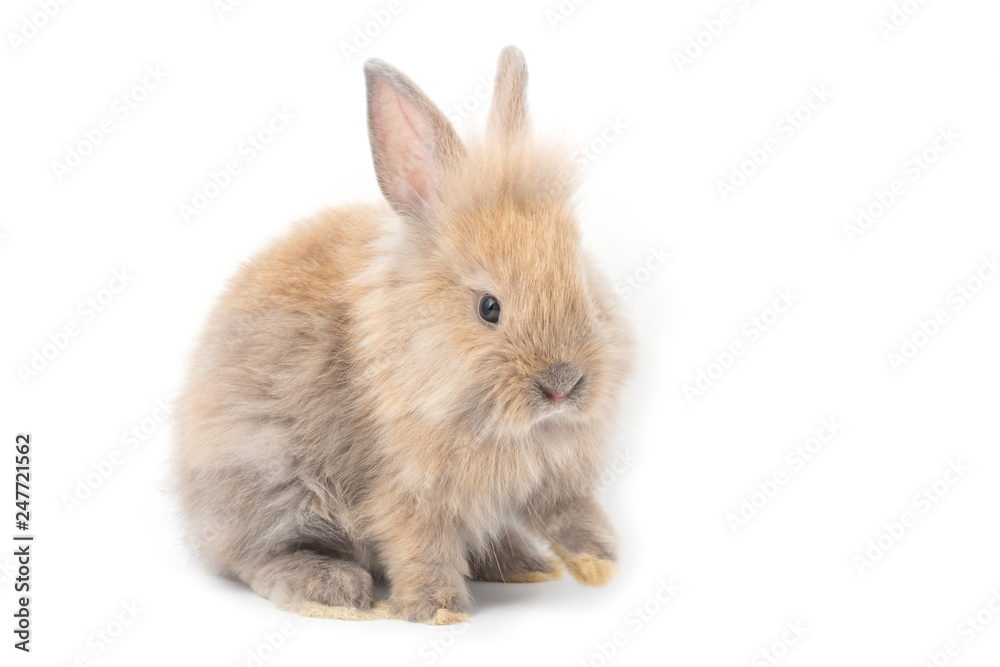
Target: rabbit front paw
point(440, 606)
point(588, 569)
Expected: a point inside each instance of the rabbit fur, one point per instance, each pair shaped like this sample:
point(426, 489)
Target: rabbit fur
point(349, 417)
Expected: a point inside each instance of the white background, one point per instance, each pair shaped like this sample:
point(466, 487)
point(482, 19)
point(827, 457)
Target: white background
point(683, 128)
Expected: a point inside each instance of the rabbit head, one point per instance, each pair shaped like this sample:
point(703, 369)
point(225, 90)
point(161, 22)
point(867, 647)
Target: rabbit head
point(491, 315)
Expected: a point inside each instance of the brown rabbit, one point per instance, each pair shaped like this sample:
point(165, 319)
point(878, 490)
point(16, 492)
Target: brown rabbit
point(412, 392)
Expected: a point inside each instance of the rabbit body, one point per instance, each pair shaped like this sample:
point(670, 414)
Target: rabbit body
point(350, 417)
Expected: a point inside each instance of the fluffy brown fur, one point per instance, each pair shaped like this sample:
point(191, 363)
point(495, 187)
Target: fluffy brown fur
point(349, 416)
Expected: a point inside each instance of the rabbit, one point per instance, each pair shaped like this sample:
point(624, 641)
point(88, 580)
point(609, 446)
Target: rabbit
point(418, 392)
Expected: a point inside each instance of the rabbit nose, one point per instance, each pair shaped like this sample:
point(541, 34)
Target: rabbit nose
point(559, 381)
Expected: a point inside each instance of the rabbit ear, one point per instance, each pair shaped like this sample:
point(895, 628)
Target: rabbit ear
point(509, 111)
point(411, 139)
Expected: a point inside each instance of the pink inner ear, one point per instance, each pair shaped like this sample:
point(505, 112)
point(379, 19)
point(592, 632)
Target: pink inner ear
point(404, 132)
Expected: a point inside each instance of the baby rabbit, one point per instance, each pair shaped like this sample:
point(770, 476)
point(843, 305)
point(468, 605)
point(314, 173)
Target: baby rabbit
point(413, 392)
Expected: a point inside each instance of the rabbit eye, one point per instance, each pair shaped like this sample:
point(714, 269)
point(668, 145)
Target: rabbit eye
point(489, 309)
